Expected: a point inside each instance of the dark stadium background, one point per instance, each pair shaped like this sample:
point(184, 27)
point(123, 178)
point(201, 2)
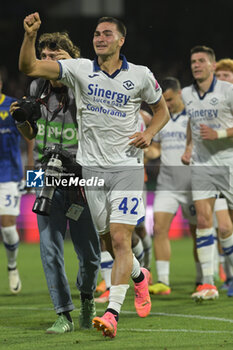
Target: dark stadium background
point(160, 32)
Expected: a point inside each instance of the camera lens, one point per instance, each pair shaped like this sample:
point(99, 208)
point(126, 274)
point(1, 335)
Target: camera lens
point(42, 206)
point(19, 115)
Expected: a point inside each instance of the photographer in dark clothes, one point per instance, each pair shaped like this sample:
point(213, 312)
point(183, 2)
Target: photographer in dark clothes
point(57, 125)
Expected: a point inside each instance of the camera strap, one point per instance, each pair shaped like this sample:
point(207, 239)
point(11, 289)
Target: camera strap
point(63, 101)
point(42, 85)
point(63, 104)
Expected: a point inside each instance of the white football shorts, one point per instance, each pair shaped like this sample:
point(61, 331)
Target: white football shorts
point(9, 198)
point(169, 202)
point(120, 200)
point(209, 181)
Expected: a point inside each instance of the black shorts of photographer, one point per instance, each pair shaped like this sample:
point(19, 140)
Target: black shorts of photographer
point(49, 116)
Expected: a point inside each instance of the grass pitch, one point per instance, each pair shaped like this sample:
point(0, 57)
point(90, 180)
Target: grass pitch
point(175, 322)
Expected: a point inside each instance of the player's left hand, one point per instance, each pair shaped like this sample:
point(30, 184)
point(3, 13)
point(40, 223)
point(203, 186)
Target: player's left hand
point(207, 133)
point(140, 140)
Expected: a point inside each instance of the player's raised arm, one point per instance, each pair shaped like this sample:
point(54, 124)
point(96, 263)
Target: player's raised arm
point(28, 63)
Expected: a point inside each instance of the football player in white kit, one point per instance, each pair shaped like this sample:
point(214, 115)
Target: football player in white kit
point(109, 92)
point(223, 71)
point(141, 241)
point(173, 184)
point(209, 105)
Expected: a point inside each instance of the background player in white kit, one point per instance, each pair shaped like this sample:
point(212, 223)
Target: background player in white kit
point(173, 184)
point(109, 92)
point(209, 104)
point(223, 71)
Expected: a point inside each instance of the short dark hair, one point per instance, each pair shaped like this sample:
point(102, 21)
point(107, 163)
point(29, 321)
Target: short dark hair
point(120, 25)
point(206, 49)
point(58, 40)
point(170, 83)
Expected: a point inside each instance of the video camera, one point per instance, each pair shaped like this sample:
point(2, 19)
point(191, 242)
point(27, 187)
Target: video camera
point(58, 161)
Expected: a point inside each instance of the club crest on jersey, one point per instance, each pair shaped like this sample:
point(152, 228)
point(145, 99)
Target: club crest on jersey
point(214, 101)
point(4, 115)
point(128, 85)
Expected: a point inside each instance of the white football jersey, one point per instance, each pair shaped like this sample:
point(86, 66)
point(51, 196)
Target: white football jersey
point(172, 138)
point(173, 174)
point(108, 109)
point(215, 109)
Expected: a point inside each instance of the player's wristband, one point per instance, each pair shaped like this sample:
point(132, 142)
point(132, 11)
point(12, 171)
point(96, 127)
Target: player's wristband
point(221, 133)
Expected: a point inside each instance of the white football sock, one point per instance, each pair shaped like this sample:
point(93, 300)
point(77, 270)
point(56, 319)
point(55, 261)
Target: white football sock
point(227, 246)
point(162, 268)
point(11, 242)
point(205, 251)
point(147, 245)
point(198, 272)
point(139, 252)
point(117, 296)
point(136, 268)
point(106, 267)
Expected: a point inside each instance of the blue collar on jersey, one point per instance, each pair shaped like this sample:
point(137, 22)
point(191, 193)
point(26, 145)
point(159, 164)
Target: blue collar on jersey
point(178, 115)
point(211, 88)
point(124, 66)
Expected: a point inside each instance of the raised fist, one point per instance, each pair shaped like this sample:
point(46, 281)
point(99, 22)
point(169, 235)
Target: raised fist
point(32, 23)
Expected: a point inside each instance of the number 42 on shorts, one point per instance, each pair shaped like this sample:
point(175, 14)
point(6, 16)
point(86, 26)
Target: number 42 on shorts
point(126, 205)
